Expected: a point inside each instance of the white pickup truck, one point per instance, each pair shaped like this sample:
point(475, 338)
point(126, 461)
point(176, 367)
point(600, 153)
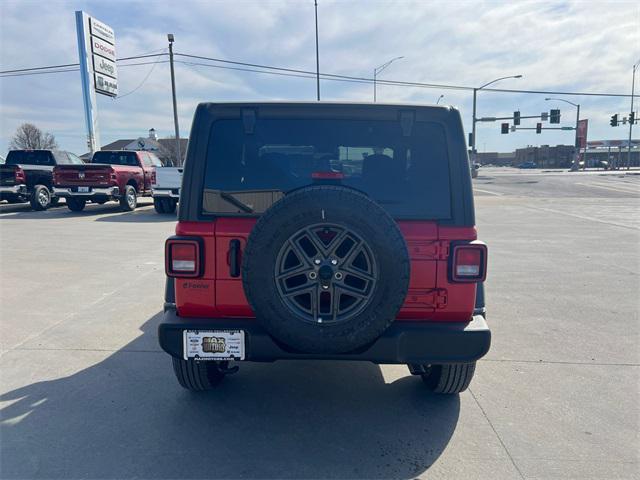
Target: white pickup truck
point(166, 189)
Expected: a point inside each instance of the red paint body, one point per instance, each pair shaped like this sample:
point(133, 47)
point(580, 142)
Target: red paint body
point(431, 296)
point(103, 175)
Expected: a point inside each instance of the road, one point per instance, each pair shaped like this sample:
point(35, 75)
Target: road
point(87, 393)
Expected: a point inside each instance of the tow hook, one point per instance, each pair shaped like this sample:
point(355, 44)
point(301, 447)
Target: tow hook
point(224, 367)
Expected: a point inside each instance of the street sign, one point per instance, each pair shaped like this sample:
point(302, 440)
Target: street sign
point(544, 116)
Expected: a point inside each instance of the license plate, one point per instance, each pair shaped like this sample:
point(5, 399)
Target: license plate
point(213, 344)
point(83, 189)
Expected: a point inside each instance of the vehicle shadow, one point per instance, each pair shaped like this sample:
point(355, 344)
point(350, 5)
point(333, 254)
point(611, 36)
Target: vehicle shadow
point(139, 216)
point(126, 416)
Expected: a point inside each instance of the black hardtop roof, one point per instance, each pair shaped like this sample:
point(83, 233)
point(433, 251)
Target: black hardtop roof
point(321, 105)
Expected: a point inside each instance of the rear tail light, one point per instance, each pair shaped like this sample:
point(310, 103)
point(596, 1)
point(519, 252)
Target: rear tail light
point(469, 262)
point(20, 176)
point(153, 177)
point(183, 257)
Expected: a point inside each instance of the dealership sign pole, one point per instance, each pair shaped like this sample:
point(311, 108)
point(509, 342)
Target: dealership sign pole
point(97, 54)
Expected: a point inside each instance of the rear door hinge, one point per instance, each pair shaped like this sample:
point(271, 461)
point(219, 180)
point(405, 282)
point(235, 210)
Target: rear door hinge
point(442, 250)
point(433, 299)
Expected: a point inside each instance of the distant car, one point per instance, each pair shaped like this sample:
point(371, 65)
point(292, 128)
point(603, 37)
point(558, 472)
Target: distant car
point(26, 176)
point(528, 165)
point(475, 168)
point(118, 175)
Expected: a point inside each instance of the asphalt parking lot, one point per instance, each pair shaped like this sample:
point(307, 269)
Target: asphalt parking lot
point(85, 391)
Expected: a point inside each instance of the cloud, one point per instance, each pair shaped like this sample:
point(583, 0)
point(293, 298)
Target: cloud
point(571, 45)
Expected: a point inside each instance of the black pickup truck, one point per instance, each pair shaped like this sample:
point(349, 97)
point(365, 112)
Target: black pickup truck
point(26, 176)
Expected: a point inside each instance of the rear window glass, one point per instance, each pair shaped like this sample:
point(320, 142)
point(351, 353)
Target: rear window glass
point(29, 157)
point(407, 175)
point(67, 158)
point(115, 158)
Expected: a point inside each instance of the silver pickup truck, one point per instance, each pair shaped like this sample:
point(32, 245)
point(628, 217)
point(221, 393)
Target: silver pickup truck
point(166, 189)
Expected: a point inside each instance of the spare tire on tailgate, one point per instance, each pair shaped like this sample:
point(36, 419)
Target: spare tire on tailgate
point(325, 270)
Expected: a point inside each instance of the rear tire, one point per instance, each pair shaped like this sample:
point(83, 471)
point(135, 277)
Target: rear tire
point(158, 204)
point(197, 376)
point(40, 198)
point(129, 201)
point(76, 204)
point(449, 378)
point(170, 205)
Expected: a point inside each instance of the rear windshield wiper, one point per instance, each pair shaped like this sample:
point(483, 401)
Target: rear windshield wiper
point(234, 201)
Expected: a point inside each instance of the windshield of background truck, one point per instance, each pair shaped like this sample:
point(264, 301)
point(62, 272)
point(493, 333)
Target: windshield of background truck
point(407, 175)
point(29, 157)
point(116, 158)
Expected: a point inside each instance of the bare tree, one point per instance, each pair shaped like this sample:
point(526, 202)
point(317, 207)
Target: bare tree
point(28, 136)
point(168, 153)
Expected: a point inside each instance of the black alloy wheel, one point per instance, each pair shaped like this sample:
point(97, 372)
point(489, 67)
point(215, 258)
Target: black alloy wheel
point(326, 273)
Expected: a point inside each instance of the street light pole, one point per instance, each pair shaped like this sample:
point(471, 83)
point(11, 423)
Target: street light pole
point(473, 142)
point(317, 52)
point(175, 105)
point(576, 141)
point(633, 84)
point(379, 69)
point(439, 98)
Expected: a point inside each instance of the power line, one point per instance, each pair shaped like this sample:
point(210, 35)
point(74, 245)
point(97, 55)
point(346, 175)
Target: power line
point(143, 80)
point(134, 57)
point(292, 72)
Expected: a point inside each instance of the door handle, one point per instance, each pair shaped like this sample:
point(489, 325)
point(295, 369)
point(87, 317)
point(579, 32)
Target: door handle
point(234, 258)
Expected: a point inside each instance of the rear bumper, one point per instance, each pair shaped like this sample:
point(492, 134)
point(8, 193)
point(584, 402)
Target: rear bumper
point(403, 342)
point(168, 193)
point(95, 192)
point(14, 189)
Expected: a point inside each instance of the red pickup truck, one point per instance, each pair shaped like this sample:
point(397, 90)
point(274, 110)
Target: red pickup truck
point(118, 175)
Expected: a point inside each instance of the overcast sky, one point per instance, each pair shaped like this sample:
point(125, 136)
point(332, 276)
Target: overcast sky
point(570, 46)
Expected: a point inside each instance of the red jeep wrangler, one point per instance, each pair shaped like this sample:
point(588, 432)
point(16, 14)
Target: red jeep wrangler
point(325, 231)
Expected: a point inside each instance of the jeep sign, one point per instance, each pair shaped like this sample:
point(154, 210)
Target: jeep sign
point(102, 65)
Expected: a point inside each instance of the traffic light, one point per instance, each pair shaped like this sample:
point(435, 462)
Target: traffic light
point(614, 120)
point(554, 116)
point(505, 128)
point(632, 118)
point(516, 118)
point(539, 127)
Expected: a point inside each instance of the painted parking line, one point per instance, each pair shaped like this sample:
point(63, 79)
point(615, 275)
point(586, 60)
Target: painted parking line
point(622, 189)
point(487, 191)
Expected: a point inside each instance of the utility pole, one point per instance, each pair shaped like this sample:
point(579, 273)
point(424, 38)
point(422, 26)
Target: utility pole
point(315, 2)
point(633, 84)
point(473, 142)
point(175, 106)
